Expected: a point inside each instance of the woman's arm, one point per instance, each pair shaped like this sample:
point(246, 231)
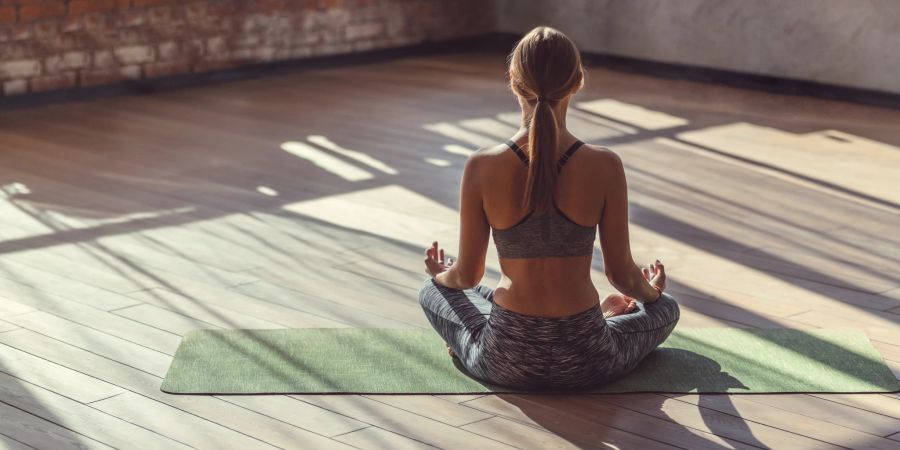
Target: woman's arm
point(618, 263)
point(474, 232)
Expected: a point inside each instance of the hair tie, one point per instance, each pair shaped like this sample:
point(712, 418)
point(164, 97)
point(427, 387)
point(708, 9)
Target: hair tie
point(541, 98)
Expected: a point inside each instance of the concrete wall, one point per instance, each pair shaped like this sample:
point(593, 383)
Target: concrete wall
point(854, 43)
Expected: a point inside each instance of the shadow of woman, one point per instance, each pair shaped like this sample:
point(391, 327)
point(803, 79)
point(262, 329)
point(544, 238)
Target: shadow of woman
point(631, 412)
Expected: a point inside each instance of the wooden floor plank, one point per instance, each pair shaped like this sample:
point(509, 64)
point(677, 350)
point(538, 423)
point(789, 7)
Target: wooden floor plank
point(8, 443)
point(109, 346)
point(459, 398)
point(211, 312)
point(105, 322)
point(172, 422)
point(237, 418)
point(319, 307)
point(374, 438)
point(231, 309)
point(593, 422)
point(523, 436)
point(79, 417)
point(433, 407)
point(802, 424)
point(401, 422)
point(876, 403)
point(711, 420)
point(20, 282)
point(832, 412)
point(341, 287)
point(297, 413)
point(33, 431)
point(53, 377)
point(163, 319)
point(10, 308)
point(122, 264)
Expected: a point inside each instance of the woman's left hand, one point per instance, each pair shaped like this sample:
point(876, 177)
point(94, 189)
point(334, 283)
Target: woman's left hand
point(434, 260)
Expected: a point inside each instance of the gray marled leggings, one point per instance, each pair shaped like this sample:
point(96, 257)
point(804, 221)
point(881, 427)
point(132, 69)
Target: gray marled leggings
point(510, 349)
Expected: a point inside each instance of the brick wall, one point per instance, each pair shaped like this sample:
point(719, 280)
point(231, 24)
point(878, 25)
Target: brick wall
point(55, 44)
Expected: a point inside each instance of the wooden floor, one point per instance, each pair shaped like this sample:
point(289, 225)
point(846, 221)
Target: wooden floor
point(306, 200)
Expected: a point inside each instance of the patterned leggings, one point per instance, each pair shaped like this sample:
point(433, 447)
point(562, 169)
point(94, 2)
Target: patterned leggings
point(511, 349)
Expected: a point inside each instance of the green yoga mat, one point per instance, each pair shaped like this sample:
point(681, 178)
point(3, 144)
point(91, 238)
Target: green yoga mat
point(415, 361)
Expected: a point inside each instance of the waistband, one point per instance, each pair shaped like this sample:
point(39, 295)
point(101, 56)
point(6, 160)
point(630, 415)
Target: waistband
point(589, 313)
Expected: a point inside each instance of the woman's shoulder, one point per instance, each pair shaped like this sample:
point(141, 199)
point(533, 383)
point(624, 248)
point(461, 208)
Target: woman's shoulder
point(597, 158)
point(489, 151)
point(485, 156)
point(599, 152)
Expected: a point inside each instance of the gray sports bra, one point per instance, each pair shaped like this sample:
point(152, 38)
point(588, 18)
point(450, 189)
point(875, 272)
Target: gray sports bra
point(549, 234)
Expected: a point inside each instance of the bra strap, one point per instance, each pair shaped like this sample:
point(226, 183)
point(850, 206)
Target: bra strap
point(518, 151)
point(562, 160)
point(568, 154)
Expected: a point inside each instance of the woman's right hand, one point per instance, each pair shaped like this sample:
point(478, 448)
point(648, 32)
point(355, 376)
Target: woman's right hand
point(655, 274)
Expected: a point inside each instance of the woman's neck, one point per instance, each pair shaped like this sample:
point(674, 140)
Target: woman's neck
point(522, 132)
point(559, 110)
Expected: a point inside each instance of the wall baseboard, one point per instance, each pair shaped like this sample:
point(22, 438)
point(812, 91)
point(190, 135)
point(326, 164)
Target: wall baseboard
point(501, 42)
point(772, 84)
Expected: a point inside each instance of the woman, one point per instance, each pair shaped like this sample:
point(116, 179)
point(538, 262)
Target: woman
point(542, 194)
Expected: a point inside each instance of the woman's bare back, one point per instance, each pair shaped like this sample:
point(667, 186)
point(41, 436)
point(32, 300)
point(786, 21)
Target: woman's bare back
point(548, 286)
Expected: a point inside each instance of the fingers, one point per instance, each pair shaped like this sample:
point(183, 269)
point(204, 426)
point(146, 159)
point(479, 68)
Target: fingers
point(652, 269)
point(660, 270)
point(631, 303)
point(435, 259)
point(429, 267)
point(429, 260)
point(432, 252)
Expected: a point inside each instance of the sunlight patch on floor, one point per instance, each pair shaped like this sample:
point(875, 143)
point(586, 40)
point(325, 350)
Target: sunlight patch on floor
point(18, 220)
point(392, 211)
point(631, 114)
point(437, 162)
point(458, 133)
point(358, 156)
point(458, 150)
point(590, 127)
point(326, 161)
point(265, 190)
point(696, 269)
point(489, 127)
point(25, 218)
point(834, 157)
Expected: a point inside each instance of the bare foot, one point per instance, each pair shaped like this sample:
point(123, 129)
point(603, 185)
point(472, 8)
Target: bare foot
point(617, 304)
point(450, 351)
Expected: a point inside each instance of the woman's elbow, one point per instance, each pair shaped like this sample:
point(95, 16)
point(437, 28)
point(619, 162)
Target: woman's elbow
point(619, 280)
point(469, 279)
point(614, 277)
